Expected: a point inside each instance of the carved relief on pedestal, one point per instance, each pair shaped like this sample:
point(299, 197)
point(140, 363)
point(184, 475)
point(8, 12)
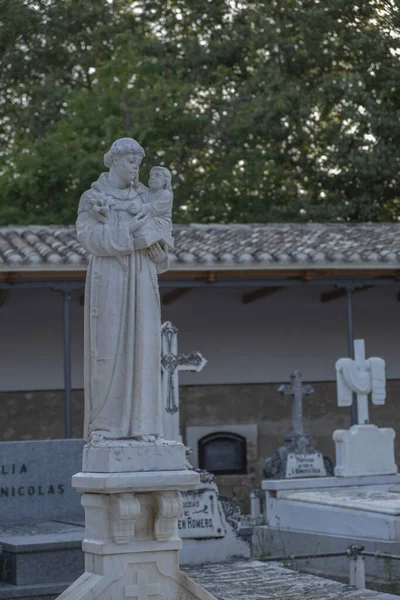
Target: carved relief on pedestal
point(125, 509)
point(144, 589)
point(169, 508)
point(144, 524)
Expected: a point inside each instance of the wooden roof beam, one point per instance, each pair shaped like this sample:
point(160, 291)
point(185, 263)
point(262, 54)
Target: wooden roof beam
point(175, 295)
point(260, 293)
point(341, 293)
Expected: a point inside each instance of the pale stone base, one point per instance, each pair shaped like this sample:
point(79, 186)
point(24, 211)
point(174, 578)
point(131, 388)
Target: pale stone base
point(127, 456)
point(135, 575)
point(131, 539)
point(364, 450)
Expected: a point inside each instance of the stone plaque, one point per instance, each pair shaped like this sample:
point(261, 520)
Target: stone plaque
point(305, 465)
point(35, 480)
point(201, 517)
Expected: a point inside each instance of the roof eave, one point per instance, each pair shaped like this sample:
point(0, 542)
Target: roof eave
point(210, 266)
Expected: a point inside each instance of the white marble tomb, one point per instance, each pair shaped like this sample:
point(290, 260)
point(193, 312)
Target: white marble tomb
point(364, 449)
point(361, 504)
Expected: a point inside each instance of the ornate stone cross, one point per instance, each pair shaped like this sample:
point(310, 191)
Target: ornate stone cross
point(361, 376)
point(171, 363)
point(143, 590)
point(297, 389)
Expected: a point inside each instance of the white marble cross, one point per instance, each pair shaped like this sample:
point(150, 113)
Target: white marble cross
point(143, 590)
point(363, 377)
point(171, 363)
point(297, 389)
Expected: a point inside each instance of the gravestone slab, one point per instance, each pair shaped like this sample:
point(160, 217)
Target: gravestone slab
point(328, 515)
point(201, 517)
point(376, 500)
point(41, 517)
point(298, 456)
point(42, 552)
point(35, 480)
point(364, 511)
point(210, 525)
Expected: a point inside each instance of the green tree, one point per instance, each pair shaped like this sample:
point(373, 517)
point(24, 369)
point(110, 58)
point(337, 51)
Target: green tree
point(283, 110)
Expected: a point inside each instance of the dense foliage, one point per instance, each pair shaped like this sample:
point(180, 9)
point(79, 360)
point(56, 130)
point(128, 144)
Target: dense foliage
point(265, 110)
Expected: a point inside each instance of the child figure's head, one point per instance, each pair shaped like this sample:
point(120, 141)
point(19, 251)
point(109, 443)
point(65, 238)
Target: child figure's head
point(160, 179)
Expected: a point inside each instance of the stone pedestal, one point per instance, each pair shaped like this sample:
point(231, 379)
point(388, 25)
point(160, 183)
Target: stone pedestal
point(125, 456)
point(364, 450)
point(131, 538)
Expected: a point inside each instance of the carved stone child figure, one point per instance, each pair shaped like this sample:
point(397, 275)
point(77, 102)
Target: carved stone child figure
point(155, 213)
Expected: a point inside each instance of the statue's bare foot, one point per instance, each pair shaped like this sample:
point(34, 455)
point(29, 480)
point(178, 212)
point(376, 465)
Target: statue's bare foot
point(96, 438)
point(146, 438)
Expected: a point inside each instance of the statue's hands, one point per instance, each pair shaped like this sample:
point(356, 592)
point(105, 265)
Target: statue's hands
point(137, 222)
point(145, 210)
point(156, 253)
point(100, 207)
point(134, 207)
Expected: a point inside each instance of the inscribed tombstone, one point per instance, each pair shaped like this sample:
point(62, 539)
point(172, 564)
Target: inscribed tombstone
point(297, 457)
point(35, 479)
point(201, 517)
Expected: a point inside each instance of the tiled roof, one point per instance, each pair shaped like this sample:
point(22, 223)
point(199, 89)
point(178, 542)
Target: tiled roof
point(221, 247)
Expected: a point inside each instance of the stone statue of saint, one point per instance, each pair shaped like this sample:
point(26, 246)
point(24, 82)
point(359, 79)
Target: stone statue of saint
point(126, 227)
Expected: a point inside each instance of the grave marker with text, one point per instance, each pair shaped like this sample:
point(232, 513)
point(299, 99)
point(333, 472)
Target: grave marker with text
point(35, 479)
point(297, 457)
point(201, 515)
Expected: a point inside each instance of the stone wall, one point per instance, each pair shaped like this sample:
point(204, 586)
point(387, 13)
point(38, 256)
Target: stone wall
point(40, 415)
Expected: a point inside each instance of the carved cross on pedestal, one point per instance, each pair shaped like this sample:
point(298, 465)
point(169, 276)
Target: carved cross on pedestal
point(143, 590)
point(171, 363)
point(362, 377)
point(297, 389)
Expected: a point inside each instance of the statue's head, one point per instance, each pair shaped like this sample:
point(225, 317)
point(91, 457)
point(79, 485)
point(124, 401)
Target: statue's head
point(123, 159)
point(160, 179)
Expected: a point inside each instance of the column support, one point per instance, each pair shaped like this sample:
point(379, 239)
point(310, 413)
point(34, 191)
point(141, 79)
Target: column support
point(350, 344)
point(67, 365)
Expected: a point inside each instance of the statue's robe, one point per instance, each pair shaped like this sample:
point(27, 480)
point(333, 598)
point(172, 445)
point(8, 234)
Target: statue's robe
point(122, 321)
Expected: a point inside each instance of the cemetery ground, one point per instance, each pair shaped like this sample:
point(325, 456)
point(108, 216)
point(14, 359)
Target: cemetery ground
point(250, 580)
point(255, 580)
